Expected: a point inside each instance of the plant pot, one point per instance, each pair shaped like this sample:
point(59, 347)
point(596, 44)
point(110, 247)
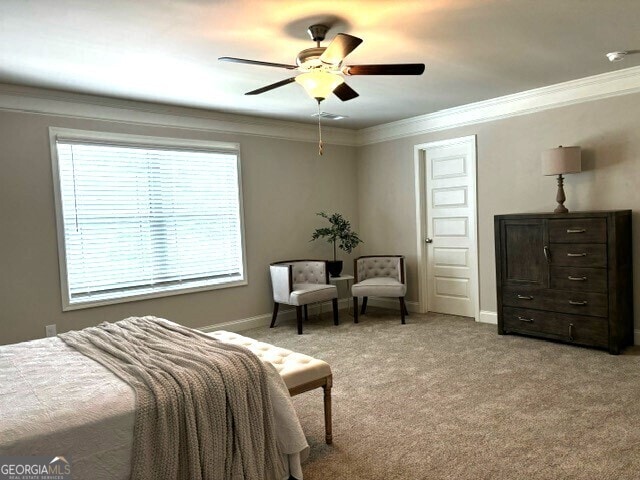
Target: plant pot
point(335, 267)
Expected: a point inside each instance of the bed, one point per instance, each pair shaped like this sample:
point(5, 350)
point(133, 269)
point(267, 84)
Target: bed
point(55, 401)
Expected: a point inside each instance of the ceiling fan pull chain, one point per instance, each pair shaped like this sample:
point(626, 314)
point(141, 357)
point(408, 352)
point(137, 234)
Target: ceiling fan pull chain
point(319, 131)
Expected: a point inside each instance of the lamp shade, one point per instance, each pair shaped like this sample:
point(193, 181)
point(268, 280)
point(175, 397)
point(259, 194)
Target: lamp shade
point(557, 161)
point(319, 85)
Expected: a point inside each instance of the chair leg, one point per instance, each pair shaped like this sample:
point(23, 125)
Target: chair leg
point(275, 314)
point(327, 411)
point(299, 319)
point(364, 305)
point(403, 309)
point(355, 309)
point(336, 321)
point(306, 314)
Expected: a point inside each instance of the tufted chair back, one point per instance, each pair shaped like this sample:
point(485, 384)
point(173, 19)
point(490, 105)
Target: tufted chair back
point(286, 274)
point(309, 271)
point(376, 266)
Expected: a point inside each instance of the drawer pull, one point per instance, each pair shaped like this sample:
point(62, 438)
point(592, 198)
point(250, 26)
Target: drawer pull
point(576, 230)
point(577, 279)
point(547, 254)
point(528, 320)
point(573, 302)
point(582, 254)
point(525, 297)
point(571, 332)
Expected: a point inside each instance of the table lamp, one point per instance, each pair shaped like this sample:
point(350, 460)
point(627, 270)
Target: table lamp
point(558, 161)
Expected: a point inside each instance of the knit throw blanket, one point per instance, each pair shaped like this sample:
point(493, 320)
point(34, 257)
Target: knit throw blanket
point(203, 409)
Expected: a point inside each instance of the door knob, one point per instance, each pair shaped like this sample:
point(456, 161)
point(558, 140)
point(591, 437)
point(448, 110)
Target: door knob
point(428, 240)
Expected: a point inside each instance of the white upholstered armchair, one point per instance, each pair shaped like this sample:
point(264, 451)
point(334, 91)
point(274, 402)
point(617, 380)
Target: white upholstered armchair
point(299, 283)
point(378, 276)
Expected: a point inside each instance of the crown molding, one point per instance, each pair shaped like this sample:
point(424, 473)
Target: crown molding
point(23, 99)
point(610, 84)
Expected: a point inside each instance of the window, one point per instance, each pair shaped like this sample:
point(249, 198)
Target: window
point(141, 217)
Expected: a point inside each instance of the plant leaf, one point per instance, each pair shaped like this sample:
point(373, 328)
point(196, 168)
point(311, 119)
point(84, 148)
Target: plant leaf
point(339, 231)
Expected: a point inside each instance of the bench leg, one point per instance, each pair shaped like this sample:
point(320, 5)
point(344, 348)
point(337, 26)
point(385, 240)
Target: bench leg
point(364, 305)
point(299, 319)
point(355, 309)
point(335, 311)
point(327, 410)
point(275, 314)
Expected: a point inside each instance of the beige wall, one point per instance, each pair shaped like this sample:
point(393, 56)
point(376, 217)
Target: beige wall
point(284, 183)
point(509, 178)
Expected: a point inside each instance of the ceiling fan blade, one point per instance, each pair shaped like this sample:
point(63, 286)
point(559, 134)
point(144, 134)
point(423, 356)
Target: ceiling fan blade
point(341, 46)
point(389, 69)
point(344, 92)
point(257, 62)
point(281, 83)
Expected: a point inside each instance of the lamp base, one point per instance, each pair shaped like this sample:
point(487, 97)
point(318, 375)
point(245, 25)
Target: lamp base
point(560, 197)
point(561, 209)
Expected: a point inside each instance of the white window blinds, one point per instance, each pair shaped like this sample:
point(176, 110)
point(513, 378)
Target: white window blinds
point(140, 220)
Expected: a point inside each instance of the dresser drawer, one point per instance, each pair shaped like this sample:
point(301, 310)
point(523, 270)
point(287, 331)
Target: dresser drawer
point(579, 254)
point(577, 329)
point(582, 303)
point(578, 230)
point(578, 279)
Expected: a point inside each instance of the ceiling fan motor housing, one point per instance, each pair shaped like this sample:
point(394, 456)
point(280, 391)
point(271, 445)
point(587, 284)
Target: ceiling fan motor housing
point(309, 59)
point(318, 32)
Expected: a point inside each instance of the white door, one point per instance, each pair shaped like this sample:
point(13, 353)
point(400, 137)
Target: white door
point(451, 227)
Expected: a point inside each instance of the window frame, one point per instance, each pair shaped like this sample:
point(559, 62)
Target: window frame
point(106, 138)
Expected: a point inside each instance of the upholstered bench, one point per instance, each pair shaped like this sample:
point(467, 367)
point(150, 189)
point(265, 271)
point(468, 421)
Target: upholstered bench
point(300, 372)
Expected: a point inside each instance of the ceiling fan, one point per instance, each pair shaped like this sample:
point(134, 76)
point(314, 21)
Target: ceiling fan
point(321, 68)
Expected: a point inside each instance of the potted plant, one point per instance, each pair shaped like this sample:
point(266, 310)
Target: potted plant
point(339, 233)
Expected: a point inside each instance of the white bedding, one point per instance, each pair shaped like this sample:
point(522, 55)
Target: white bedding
point(54, 401)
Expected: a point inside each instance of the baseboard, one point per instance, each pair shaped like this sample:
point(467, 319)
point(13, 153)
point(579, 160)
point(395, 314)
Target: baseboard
point(285, 314)
point(290, 315)
point(240, 324)
point(487, 316)
point(392, 303)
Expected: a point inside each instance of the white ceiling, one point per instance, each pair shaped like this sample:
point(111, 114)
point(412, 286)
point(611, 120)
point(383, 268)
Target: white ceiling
point(166, 50)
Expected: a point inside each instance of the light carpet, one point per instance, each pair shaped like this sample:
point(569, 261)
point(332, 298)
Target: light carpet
point(443, 397)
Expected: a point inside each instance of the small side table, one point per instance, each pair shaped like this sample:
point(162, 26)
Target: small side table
point(348, 279)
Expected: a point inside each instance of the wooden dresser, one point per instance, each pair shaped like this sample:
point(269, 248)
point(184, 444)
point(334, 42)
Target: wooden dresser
point(566, 277)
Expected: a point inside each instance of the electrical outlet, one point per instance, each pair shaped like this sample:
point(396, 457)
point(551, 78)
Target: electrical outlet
point(50, 330)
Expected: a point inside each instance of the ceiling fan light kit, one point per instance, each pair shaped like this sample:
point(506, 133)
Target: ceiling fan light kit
point(318, 84)
point(322, 69)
